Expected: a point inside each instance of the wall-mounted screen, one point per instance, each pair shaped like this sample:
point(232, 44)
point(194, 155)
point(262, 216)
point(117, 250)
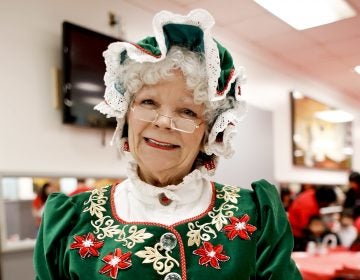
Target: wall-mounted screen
point(83, 76)
point(321, 135)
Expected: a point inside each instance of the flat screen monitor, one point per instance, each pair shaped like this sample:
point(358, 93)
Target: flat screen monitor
point(83, 72)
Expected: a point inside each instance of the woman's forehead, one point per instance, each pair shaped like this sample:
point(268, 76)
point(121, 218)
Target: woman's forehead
point(165, 91)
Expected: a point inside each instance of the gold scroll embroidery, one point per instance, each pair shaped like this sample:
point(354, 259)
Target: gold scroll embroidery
point(105, 226)
point(204, 232)
point(161, 263)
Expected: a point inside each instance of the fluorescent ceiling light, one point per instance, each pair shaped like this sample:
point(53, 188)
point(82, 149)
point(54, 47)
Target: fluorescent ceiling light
point(357, 69)
point(303, 14)
point(334, 116)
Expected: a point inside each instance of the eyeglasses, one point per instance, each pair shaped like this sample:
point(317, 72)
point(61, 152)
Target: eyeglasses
point(176, 123)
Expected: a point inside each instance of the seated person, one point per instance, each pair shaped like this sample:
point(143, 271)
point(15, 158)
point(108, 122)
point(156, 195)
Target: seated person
point(316, 231)
point(306, 205)
point(347, 232)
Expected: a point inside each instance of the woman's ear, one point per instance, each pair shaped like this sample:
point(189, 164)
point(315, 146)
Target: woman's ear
point(204, 139)
point(125, 132)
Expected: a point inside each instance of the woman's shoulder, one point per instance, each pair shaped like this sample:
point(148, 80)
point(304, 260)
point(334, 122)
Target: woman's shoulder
point(63, 211)
point(265, 191)
point(261, 196)
point(261, 189)
point(64, 202)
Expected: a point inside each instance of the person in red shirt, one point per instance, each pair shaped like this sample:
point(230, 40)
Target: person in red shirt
point(81, 187)
point(40, 199)
point(306, 205)
point(352, 200)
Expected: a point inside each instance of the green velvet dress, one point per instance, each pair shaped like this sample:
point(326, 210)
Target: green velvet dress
point(243, 235)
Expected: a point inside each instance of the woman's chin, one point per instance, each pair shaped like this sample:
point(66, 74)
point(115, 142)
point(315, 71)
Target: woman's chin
point(161, 170)
point(159, 156)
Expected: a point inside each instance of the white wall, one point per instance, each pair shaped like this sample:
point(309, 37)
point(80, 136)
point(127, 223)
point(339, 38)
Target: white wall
point(33, 140)
point(251, 162)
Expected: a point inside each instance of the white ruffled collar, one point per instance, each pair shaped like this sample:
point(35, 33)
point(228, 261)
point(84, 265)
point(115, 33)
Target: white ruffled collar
point(189, 190)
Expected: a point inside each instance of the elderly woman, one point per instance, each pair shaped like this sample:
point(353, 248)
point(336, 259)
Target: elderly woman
point(177, 100)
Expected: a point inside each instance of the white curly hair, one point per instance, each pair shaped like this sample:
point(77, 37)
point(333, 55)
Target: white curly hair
point(134, 75)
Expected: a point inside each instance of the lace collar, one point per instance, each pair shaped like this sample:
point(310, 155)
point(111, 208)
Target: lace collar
point(189, 190)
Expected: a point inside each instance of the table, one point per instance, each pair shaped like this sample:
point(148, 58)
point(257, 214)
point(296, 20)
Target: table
point(326, 266)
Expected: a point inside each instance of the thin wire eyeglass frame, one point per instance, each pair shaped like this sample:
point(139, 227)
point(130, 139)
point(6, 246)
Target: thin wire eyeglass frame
point(156, 115)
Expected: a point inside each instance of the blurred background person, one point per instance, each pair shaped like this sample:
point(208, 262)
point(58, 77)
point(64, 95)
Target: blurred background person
point(81, 187)
point(347, 231)
point(306, 205)
point(40, 199)
point(316, 231)
point(352, 200)
point(306, 186)
point(286, 197)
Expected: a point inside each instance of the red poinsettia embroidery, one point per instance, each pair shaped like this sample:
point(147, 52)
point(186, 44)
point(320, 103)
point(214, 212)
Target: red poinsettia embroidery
point(114, 262)
point(239, 227)
point(87, 245)
point(211, 254)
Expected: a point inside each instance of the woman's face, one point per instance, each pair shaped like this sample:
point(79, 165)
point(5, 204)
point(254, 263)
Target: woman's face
point(165, 155)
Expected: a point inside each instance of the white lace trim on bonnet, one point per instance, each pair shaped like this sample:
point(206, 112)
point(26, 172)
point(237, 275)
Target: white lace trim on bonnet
point(117, 101)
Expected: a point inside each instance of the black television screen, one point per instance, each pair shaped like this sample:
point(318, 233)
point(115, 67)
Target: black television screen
point(83, 72)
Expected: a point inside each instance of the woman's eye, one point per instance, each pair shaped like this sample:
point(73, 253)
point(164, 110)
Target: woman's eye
point(147, 102)
point(189, 113)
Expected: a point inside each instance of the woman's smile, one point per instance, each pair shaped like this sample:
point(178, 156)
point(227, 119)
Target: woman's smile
point(160, 144)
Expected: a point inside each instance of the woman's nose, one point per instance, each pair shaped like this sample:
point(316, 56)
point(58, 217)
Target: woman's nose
point(163, 121)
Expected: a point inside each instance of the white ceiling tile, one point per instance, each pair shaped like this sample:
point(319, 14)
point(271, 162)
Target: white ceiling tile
point(333, 32)
point(329, 68)
point(351, 60)
point(348, 81)
point(309, 56)
point(158, 5)
point(288, 41)
point(237, 11)
point(345, 47)
point(259, 27)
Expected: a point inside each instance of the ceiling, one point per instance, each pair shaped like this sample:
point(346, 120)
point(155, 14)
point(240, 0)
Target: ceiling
point(327, 53)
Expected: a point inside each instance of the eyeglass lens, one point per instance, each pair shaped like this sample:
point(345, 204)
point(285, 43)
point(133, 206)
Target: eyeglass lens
point(176, 123)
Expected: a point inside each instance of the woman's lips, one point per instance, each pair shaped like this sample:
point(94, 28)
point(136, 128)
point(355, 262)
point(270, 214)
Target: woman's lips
point(159, 144)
